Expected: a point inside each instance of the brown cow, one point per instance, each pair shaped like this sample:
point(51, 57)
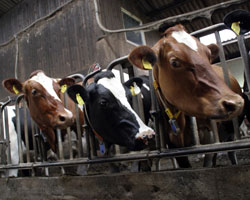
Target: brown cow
point(45, 102)
point(187, 81)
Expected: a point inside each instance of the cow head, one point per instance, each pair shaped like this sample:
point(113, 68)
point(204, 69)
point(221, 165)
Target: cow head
point(109, 112)
point(182, 67)
point(42, 96)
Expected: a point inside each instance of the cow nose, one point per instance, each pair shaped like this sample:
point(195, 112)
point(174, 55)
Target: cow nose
point(65, 119)
point(233, 106)
point(229, 106)
point(62, 118)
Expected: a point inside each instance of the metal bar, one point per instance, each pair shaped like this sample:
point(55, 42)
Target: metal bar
point(26, 134)
point(7, 136)
point(78, 130)
point(245, 58)
point(34, 140)
point(215, 131)
point(222, 59)
point(68, 128)
point(227, 146)
point(60, 146)
point(18, 124)
point(154, 111)
point(195, 130)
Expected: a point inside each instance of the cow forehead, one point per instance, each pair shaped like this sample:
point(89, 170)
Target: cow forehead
point(46, 82)
point(185, 38)
point(116, 88)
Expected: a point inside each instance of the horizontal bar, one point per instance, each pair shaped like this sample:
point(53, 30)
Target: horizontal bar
point(169, 153)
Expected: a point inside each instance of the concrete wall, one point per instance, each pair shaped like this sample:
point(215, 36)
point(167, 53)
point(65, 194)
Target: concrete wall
point(231, 183)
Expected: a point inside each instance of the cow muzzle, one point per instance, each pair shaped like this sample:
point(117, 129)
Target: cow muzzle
point(64, 120)
point(230, 107)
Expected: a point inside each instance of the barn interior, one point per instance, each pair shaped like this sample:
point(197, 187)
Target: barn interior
point(65, 37)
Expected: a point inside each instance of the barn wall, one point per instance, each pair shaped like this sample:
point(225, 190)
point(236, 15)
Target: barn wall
point(65, 42)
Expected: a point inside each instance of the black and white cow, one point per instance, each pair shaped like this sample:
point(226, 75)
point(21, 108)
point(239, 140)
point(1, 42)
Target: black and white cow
point(110, 113)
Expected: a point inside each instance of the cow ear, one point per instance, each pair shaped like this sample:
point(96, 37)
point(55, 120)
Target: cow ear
point(143, 57)
point(214, 51)
point(13, 85)
point(133, 80)
point(65, 83)
point(78, 94)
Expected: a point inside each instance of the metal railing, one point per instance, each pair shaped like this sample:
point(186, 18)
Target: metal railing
point(75, 154)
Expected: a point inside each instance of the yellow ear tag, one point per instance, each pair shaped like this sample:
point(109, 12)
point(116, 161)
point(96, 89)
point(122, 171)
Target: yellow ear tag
point(63, 88)
point(146, 64)
point(79, 99)
point(15, 90)
point(132, 90)
point(236, 27)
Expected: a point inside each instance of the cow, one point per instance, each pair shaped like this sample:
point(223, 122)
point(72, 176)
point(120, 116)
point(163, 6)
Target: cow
point(13, 137)
point(109, 113)
point(45, 102)
point(186, 83)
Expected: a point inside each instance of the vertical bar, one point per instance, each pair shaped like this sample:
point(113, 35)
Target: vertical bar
point(60, 146)
point(26, 134)
point(121, 74)
point(6, 121)
point(78, 130)
point(154, 111)
point(68, 129)
point(215, 131)
point(18, 124)
point(245, 58)
point(3, 145)
point(195, 131)
point(222, 59)
point(226, 76)
point(34, 140)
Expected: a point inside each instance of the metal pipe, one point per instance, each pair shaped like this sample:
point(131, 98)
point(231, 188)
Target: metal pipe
point(227, 146)
point(26, 134)
point(78, 131)
point(117, 61)
point(18, 124)
point(245, 58)
point(6, 121)
point(59, 141)
point(195, 130)
point(215, 131)
point(204, 12)
point(34, 140)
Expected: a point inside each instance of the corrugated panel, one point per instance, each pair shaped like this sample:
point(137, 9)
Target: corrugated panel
point(6, 5)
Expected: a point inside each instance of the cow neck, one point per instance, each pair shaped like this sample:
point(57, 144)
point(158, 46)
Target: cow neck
point(92, 128)
point(171, 111)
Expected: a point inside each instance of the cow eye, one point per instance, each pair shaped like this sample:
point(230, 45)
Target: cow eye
point(104, 103)
point(34, 92)
point(174, 62)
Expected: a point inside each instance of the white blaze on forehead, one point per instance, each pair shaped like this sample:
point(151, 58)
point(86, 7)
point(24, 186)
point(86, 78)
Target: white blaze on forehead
point(184, 37)
point(116, 88)
point(46, 82)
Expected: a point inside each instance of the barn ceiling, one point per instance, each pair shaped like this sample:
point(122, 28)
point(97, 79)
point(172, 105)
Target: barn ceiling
point(6, 5)
point(160, 9)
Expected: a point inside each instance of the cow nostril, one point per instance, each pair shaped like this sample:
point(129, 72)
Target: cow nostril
point(61, 118)
point(229, 106)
